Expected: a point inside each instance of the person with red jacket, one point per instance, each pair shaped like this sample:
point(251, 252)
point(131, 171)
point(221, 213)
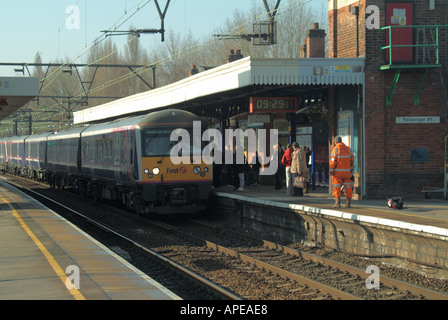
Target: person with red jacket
point(341, 169)
point(286, 161)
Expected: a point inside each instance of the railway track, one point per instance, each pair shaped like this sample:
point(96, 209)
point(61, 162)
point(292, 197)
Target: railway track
point(245, 266)
point(335, 277)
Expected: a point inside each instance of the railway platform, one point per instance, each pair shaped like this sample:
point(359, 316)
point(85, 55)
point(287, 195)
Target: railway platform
point(45, 257)
point(420, 213)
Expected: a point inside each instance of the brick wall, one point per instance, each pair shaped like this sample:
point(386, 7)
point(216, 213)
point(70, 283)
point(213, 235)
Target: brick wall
point(390, 167)
point(343, 31)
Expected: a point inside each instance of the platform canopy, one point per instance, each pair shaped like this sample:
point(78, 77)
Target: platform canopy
point(15, 92)
point(238, 79)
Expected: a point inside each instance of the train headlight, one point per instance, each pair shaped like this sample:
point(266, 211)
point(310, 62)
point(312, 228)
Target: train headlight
point(149, 175)
point(205, 169)
point(197, 170)
point(156, 171)
point(146, 171)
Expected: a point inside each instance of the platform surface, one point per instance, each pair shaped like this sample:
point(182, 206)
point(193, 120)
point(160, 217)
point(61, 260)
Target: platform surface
point(45, 257)
point(428, 215)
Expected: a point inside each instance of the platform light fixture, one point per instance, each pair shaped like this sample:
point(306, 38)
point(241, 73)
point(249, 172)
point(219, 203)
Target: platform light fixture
point(22, 70)
point(67, 70)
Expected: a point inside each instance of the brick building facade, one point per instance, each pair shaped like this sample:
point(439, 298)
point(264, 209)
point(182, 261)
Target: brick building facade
point(401, 142)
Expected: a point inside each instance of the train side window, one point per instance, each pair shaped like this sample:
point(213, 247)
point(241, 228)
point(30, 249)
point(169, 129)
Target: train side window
point(99, 151)
point(118, 148)
point(123, 149)
point(131, 152)
point(89, 149)
point(74, 149)
point(109, 148)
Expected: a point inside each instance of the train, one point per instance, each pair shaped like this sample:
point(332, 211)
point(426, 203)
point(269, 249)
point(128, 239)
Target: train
point(126, 160)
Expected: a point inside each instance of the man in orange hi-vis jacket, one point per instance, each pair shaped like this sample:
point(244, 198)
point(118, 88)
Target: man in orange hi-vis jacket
point(341, 168)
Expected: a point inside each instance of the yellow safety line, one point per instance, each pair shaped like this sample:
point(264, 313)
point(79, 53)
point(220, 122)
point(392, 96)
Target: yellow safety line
point(51, 260)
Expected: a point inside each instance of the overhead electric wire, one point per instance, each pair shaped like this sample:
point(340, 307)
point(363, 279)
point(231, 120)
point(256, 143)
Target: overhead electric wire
point(108, 55)
point(193, 48)
point(96, 42)
point(189, 50)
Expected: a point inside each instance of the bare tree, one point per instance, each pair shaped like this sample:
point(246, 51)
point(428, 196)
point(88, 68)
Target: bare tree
point(174, 57)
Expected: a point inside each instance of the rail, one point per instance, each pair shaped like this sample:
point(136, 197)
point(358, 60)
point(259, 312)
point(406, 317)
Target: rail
point(209, 285)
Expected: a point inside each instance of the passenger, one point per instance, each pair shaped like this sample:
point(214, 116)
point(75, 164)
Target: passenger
point(308, 154)
point(321, 160)
point(238, 167)
point(256, 169)
point(299, 168)
point(227, 171)
point(218, 171)
point(276, 157)
point(341, 168)
point(286, 161)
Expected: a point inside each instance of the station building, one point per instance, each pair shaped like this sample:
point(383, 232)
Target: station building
point(389, 106)
point(404, 121)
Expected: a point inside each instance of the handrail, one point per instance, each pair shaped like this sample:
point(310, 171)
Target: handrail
point(390, 46)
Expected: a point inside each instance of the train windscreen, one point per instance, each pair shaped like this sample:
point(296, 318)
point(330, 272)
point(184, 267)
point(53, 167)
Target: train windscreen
point(157, 143)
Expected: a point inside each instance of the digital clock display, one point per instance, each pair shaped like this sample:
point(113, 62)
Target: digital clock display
point(270, 105)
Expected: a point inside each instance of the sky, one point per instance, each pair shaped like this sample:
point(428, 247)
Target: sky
point(45, 26)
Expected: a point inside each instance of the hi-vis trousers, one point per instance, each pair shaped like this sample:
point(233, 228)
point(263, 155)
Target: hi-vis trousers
point(338, 183)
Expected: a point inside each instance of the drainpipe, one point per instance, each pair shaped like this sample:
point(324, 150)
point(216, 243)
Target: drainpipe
point(363, 190)
point(355, 12)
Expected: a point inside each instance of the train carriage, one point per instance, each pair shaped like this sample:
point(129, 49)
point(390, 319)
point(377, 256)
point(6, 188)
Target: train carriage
point(107, 152)
point(64, 157)
point(129, 160)
point(3, 158)
point(15, 154)
point(36, 156)
point(107, 168)
point(126, 160)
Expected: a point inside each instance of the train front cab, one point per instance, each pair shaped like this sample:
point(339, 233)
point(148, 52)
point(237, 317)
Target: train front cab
point(170, 188)
point(128, 160)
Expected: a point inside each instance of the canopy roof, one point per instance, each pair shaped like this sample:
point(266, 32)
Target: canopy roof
point(15, 92)
point(235, 79)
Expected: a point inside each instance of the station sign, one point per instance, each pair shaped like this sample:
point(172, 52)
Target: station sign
point(417, 120)
point(273, 104)
point(19, 86)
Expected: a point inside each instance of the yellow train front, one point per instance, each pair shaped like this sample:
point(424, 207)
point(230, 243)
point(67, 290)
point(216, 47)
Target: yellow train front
point(170, 187)
point(130, 160)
